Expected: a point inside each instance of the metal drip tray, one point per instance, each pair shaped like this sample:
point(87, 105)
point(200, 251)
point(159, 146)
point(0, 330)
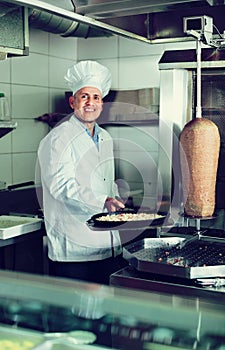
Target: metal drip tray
point(164, 256)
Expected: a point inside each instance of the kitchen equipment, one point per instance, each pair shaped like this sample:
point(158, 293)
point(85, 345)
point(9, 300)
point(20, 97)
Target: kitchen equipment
point(12, 226)
point(6, 127)
point(64, 345)
point(4, 107)
point(95, 224)
point(66, 340)
point(19, 338)
point(2, 185)
point(213, 282)
point(22, 184)
point(199, 154)
point(163, 256)
point(197, 234)
point(34, 340)
point(6, 124)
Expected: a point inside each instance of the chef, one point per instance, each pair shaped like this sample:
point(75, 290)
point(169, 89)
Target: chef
point(77, 175)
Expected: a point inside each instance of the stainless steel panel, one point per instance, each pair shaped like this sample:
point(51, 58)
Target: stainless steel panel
point(173, 114)
point(106, 8)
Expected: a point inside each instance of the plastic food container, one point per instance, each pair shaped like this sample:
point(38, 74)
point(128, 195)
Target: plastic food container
point(12, 226)
point(4, 107)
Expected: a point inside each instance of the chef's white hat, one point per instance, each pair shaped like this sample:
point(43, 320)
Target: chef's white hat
point(89, 73)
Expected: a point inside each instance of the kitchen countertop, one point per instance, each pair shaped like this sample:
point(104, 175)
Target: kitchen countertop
point(129, 277)
point(21, 238)
point(24, 253)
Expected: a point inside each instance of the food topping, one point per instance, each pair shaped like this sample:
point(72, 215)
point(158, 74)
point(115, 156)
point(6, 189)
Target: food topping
point(11, 223)
point(129, 217)
point(6, 344)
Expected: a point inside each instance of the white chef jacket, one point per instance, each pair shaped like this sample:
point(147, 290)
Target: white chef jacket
point(77, 177)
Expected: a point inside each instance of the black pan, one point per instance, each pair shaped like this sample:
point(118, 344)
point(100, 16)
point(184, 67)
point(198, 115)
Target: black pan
point(95, 223)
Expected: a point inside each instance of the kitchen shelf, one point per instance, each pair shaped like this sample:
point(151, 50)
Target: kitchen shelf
point(6, 127)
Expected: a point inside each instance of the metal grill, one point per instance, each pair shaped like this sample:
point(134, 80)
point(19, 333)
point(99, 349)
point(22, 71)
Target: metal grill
point(194, 254)
point(197, 259)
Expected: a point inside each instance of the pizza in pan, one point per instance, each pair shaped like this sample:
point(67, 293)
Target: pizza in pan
point(129, 217)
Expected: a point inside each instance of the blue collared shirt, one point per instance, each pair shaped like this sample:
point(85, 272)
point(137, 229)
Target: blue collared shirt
point(95, 137)
point(96, 134)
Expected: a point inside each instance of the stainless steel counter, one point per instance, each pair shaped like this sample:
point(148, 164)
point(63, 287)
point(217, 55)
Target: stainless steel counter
point(129, 277)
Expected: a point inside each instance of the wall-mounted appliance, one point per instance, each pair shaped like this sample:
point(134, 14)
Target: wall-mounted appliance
point(14, 36)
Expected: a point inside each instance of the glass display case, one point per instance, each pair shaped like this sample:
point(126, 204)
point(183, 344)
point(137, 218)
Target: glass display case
point(43, 313)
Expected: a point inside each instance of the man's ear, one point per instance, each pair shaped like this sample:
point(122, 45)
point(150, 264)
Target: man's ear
point(71, 101)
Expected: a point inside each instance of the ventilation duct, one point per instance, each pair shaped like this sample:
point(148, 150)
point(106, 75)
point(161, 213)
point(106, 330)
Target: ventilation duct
point(65, 27)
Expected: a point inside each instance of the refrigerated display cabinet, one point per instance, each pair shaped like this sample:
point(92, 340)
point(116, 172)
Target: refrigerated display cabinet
point(43, 313)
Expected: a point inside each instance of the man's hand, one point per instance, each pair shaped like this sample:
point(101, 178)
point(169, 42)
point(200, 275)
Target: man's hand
point(113, 204)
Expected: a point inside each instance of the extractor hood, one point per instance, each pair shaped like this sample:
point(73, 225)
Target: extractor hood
point(117, 8)
point(156, 20)
point(145, 20)
point(151, 21)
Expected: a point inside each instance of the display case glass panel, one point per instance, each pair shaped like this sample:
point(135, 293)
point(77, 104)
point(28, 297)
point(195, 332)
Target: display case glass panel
point(44, 313)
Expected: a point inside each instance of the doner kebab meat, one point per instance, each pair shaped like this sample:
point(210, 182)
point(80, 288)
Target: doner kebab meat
point(199, 153)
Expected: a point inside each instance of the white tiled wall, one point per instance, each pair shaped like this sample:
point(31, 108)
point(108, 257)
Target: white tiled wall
point(134, 65)
point(136, 156)
point(35, 85)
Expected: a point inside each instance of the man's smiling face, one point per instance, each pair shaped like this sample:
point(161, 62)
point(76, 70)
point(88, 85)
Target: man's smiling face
point(87, 104)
